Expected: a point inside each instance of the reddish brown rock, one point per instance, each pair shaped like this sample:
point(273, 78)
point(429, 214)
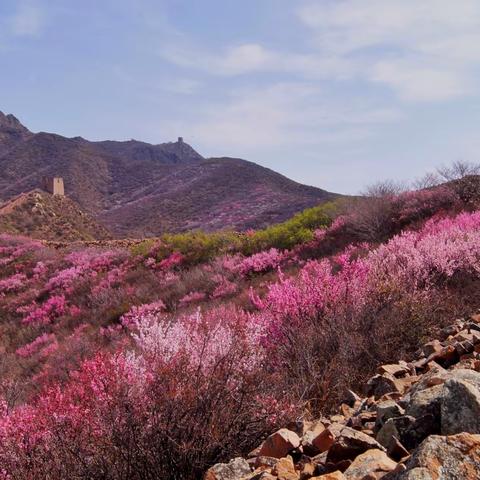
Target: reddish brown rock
point(393, 369)
point(285, 469)
point(346, 411)
point(326, 438)
point(386, 383)
point(338, 475)
point(349, 443)
point(279, 444)
point(432, 347)
point(308, 438)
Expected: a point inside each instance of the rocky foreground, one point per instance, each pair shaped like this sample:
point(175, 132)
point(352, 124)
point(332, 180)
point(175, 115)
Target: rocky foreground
point(417, 421)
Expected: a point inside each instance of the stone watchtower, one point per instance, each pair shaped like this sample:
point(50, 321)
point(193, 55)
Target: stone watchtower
point(54, 185)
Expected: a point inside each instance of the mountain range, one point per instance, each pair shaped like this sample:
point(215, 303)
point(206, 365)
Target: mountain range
point(138, 189)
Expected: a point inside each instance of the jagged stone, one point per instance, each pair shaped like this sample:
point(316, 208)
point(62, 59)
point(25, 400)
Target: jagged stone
point(450, 331)
point(280, 443)
point(306, 468)
point(255, 452)
point(386, 383)
point(285, 469)
point(409, 414)
point(435, 346)
point(394, 369)
point(236, 469)
point(300, 427)
point(435, 376)
point(396, 396)
point(350, 443)
point(464, 348)
point(351, 398)
point(372, 462)
point(261, 476)
point(394, 428)
point(308, 438)
point(325, 439)
point(265, 462)
point(385, 410)
point(338, 475)
point(346, 411)
point(444, 458)
point(396, 450)
point(446, 356)
point(410, 431)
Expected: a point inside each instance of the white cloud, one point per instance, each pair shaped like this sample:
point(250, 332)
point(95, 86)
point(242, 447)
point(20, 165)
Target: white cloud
point(417, 82)
point(282, 115)
point(435, 44)
point(424, 51)
point(253, 58)
point(28, 20)
point(348, 25)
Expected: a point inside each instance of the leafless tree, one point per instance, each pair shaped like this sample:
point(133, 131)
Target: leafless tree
point(458, 170)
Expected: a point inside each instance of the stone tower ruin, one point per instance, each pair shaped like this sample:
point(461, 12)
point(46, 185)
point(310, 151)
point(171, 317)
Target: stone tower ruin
point(54, 185)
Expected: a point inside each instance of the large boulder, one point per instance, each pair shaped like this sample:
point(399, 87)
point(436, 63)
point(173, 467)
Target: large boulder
point(444, 458)
point(372, 462)
point(407, 430)
point(280, 443)
point(236, 469)
point(425, 402)
point(460, 408)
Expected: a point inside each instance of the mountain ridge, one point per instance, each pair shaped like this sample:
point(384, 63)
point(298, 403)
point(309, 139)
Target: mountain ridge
point(137, 188)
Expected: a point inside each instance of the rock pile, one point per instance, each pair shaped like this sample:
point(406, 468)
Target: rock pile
point(417, 421)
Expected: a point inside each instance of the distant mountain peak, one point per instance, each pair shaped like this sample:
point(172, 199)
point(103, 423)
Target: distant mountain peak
point(10, 122)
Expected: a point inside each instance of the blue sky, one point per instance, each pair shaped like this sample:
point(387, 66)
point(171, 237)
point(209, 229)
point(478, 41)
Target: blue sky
point(332, 93)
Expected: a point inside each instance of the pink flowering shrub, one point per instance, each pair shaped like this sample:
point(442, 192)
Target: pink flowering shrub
point(192, 297)
point(261, 262)
point(46, 313)
point(13, 283)
point(34, 346)
point(334, 311)
point(160, 411)
point(174, 260)
point(224, 288)
point(142, 313)
point(111, 360)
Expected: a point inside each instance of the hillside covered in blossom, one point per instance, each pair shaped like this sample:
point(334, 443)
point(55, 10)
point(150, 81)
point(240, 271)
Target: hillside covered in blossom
point(161, 358)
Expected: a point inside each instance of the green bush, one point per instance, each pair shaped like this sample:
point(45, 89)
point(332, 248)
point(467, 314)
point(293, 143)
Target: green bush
point(296, 230)
point(198, 246)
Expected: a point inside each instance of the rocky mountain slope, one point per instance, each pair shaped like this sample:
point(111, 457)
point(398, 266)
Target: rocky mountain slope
point(417, 421)
point(136, 188)
point(38, 214)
